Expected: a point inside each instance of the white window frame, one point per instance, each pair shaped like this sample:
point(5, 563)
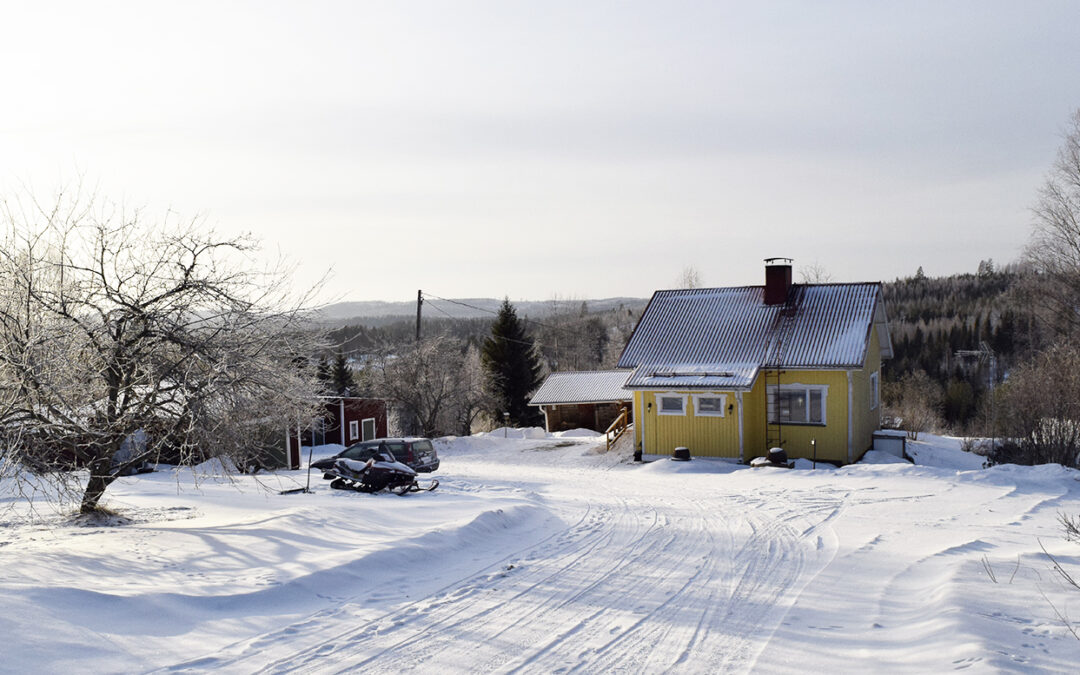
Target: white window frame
point(660, 407)
point(875, 390)
point(354, 430)
point(698, 412)
point(374, 428)
point(805, 388)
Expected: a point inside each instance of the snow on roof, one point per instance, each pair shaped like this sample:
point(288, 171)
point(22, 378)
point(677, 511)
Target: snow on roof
point(830, 329)
point(711, 376)
point(586, 386)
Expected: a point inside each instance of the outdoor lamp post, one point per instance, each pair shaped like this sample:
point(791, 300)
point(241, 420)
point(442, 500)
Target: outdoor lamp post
point(506, 422)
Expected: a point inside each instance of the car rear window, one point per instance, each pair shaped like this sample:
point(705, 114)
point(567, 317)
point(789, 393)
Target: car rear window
point(422, 446)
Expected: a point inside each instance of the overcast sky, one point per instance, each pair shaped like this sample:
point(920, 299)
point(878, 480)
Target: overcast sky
point(540, 149)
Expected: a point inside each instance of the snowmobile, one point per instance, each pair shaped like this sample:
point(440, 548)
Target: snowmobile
point(381, 472)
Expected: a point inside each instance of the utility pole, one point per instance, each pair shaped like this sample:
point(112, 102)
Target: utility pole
point(419, 304)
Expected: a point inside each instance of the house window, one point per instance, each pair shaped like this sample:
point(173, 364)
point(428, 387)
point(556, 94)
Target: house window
point(671, 404)
point(797, 404)
point(875, 391)
point(354, 430)
point(709, 405)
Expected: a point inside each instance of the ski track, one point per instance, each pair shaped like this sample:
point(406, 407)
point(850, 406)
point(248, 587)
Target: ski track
point(732, 566)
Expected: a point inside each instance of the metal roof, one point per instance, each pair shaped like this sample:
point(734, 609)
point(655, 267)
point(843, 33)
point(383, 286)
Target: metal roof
point(726, 328)
point(589, 386)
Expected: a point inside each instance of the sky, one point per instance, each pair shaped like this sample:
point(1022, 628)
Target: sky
point(540, 150)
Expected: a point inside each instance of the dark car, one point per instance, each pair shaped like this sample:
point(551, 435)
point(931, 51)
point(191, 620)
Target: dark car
point(417, 453)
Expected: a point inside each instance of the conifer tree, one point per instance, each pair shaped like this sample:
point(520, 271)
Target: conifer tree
point(511, 367)
point(341, 376)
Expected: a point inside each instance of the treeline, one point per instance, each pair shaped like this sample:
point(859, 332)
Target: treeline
point(570, 336)
point(443, 384)
point(963, 331)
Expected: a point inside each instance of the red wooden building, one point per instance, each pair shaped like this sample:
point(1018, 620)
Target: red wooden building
point(346, 420)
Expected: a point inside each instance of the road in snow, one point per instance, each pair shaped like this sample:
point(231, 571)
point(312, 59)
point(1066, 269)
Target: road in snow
point(543, 556)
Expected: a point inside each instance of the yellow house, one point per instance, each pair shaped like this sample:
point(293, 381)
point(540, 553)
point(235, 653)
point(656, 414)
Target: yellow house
point(732, 372)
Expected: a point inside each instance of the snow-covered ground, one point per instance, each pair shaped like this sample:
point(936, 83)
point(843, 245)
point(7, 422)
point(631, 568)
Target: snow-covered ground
point(542, 554)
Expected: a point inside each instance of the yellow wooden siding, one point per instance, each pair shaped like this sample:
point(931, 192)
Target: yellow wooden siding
point(832, 439)
point(705, 435)
point(866, 420)
point(754, 407)
point(708, 436)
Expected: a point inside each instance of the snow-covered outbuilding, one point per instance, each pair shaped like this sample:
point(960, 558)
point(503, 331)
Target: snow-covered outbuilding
point(732, 372)
point(584, 399)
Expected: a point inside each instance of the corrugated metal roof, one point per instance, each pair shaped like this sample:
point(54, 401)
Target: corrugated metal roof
point(590, 386)
point(732, 326)
point(708, 376)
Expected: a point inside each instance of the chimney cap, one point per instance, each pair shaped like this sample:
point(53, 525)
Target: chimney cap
point(779, 261)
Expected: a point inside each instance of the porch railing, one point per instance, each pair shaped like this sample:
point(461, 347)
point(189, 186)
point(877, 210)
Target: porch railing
point(617, 427)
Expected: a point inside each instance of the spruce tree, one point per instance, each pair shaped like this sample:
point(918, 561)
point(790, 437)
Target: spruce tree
point(511, 367)
point(341, 376)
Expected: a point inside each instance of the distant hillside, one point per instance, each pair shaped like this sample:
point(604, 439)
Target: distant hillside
point(381, 313)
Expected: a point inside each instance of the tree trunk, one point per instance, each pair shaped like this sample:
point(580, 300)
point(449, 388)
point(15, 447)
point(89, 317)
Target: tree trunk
point(100, 478)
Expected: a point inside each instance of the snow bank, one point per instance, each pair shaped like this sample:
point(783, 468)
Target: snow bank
point(511, 432)
point(944, 452)
point(806, 464)
point(695, 465)
point(882, 457)
point(215, 466)
point(577, 433)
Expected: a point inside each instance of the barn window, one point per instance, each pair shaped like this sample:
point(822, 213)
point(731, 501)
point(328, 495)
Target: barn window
point(709, 405)
point(797, 404)
point(671, 404)
point(354, 430)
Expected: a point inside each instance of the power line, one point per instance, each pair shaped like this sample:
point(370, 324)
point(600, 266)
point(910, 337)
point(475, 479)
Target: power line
point(534, 343)
point(526, 318)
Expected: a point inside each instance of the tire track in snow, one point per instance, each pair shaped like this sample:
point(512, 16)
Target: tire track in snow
point(313, 628)
point(710, 577)
point(524, 616)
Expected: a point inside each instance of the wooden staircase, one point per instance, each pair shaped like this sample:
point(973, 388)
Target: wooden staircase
point(617, 428)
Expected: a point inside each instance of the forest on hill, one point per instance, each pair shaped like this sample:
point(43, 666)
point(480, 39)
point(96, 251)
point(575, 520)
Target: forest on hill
point(964, 332)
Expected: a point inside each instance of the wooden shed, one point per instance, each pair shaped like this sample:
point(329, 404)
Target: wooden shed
point(589, 399)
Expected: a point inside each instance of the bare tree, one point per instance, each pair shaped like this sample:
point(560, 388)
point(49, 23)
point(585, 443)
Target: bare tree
point(814, 273)
point(1054, 248)
point(571, 337)
point(689, 278)
point(123, 342)
point(433, 385)
point(1041, 404)
point(914, 400)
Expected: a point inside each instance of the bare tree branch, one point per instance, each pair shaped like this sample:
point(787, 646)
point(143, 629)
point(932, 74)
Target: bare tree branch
point(112, 331)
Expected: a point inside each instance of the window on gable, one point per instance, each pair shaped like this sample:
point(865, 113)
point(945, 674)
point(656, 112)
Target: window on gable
point(671, 404)
point(710, 405)
point(797, 404)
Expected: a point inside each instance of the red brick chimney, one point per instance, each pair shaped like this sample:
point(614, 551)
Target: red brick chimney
point(777, 280)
